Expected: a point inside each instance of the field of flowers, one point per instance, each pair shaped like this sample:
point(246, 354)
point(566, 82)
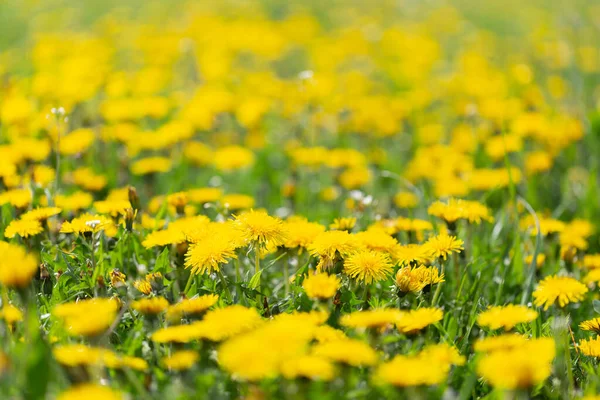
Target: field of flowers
point(299, 200)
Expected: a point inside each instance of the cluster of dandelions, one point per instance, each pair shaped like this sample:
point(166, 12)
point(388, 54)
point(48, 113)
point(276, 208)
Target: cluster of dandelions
point(198, 216)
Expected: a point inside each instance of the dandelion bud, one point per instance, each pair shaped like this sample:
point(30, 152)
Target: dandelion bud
point(133, 198)
point(130, 215)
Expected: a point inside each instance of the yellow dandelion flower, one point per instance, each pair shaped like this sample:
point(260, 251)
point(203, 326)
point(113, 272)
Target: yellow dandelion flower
point(377, 239)
point(442, 245)
point(41, 213)
point(223, 323)
point(23, 227)
point(181, 360)
point(193, 306)
point(591, 325)
point(500, 342)
point(506, 317)
point(326, 333)
point(308, 366)
point(87, 317)
point(232, 158)
point(321, 286)
point(349, 351)
point(235, 201)
point(151, 306)
point(87, 224)
point(19, 198)
point(299, 233)
point(74, 202)
point(204, 195)
point(260, 228)
point(381, 318)
point(178, 333)
point(406, 200)
point(330, 245)
point(411, 254)
point(163, 238)
point(207, 255)
point(590, 347)
point(17, 267)
point(112, 207)
point(90, 391)
point(518, 368)
point(343, 224)
point(406, 371)
point(443, 353)
point(415, 279)
point(561, 289)
point(415, 320)
point(368, 266)
point(11, 314)
point(151, 165)
point(143, 286)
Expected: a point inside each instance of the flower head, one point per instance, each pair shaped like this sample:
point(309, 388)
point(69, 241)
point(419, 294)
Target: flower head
point(181, 360)
point(368, 266)
point(415, 320)
point(23, 228)
point(260, 228)
point(561, 289)
point(330, 245)
point(150, 306)
point(442, 245)
point(415, 279)
point(591, 325)
point(17, 267)
point(506, 316)
point(321, 285)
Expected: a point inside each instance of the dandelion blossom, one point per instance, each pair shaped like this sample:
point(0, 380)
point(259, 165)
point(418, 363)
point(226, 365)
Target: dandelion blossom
point(23, 227)
point(506, 317)
point(442, 245)
point(368, 266)
point(561, 289)
point(321, 286)
point(591, 325)
point(416, 320)
point(207, 255)
point(260, 228)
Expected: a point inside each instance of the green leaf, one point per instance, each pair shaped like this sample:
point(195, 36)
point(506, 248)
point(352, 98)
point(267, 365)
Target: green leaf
point(255, 280)
point(162, 262)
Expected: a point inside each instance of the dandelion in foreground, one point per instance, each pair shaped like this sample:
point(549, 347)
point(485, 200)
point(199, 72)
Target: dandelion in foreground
point(520, 367)
point(349, 351)
point(561, 289)
point(591, 325)
point(90, 391)
point(414, 280)
point(416, 320)
point(308, 366)
point(17, 267)
point(506, 317)
point(368, 266)
point(321, 286)
point(331, 245)
point(442, 245)
point(151, 306)
point(260, 228)
point(590, 347)
point(207, 255)
point(23, 228)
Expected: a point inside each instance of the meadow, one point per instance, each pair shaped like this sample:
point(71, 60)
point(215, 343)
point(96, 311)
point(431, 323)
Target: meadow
point(299, 200)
